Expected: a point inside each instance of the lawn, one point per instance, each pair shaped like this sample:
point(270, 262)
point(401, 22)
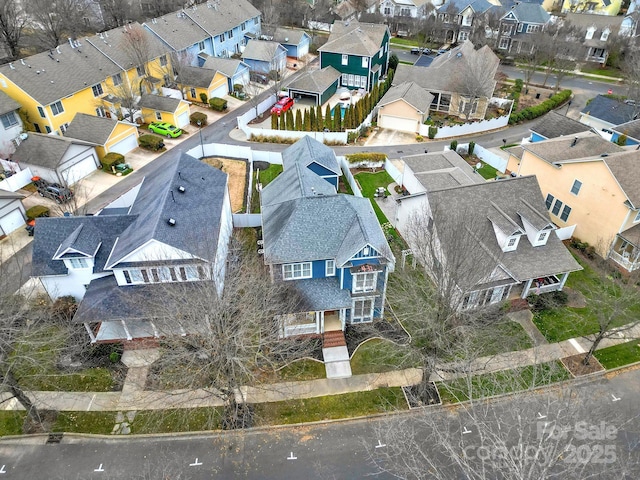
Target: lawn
point(377, 356)
point(304, 369)
point(619, 355)
point(331, 407)
point(403, 41)
point(11, 422)
point(266, 176)
point(605, 72)
point(487, 171)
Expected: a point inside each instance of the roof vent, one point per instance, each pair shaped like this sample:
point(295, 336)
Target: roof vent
point(575, 140)
point(181, 189)
point(604, 155)
point(171, 222)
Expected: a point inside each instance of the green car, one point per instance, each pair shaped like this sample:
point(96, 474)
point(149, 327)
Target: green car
point(164, 128)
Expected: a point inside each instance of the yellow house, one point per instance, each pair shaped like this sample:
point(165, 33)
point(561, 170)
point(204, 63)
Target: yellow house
point(156, 108)
point(609, 7)
point(195, 81)
point(591, 188)
point(107, 134)
point(404, 107)
point(55, 85)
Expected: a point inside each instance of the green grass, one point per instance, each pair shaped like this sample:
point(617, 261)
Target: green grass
point(11, 422)
point(403, 41)
point(266, 176)
point(619, 355)
point(605, 72)
point(178, 420)
point(482, 386)
point(304, 369)
point(331, 407)
point(487, 171)
point(377, 356)
point(508, 336)
point(85, 422)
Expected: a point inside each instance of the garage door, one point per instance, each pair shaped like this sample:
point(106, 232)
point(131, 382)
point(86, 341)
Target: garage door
point(80, 170)
point(219, 92)
point(183, 119)
point(126, 145)
point(397, 123)
point(11, 222)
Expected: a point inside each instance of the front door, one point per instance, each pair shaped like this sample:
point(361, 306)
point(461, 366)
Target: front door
point(332, 320)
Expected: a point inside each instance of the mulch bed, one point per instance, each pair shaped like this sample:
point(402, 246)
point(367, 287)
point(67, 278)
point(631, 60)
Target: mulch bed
point(577, 368)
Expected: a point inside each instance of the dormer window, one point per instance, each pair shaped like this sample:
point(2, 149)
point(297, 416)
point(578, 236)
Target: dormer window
point(78, 263)
point(605, 35)
point(590, 32)
point(511, 243)
point(542, 238)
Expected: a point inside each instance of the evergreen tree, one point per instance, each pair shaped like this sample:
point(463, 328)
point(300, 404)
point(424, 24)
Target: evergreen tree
point(282, 121)
point(313, 126)
point(337, 119)
point(298, 122)
point(274, 121)
point(306, 121)
point(327, 118)
point(319, 118)
point(289, 119)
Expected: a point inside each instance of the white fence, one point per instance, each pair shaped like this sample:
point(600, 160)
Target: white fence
point(393, 171)
point(330, 137)
point(493, 159)
point(263, 106)
point(244, 220)
point(267, 156)
point(344, 165)
point(16, 181)
point(467, 128)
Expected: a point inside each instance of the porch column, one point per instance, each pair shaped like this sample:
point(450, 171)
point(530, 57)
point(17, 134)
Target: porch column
point(155, 330)
point(525, 290)
point(564, 279)
point(90, 332)
point(320, 322)
point(343, 318)
point(126, 330)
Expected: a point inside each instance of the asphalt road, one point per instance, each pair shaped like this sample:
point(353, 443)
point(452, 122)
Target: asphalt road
point(339, 450)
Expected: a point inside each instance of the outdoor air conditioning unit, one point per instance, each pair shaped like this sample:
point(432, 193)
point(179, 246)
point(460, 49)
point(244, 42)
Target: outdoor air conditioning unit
point(261, 251)
point(260, 242)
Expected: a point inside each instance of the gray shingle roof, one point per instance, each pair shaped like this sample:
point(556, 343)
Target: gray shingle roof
point(44, 150)
point(320, 294)
point(83, 241)
point(457, 6)
point(307, 151)
point(289, 36)
point(554, 125)
point(315, 81)
point(178, 31)
point(559, 150)
point(439, 170)
point(583, 21)
point(624, 167)
point(530, 13)
point(91, 128)
point(355, 38)
point(610, 110)
point(7, 104)
point(226, 66)
point(226, 15)
point(158, 102)
point(196, 76)
point(262, 50)
point(296, 181)
point(4, 194)
point(411, 93)
point(630, 129)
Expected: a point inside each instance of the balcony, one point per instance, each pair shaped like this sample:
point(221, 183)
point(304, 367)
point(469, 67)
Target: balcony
point(626, 260)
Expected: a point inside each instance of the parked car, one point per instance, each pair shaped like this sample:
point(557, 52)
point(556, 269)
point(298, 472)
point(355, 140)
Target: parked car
point(284, 104)
point(416, 51)
point(166, 129)
point(258, 78)
point(427, 51)
point(54, 191)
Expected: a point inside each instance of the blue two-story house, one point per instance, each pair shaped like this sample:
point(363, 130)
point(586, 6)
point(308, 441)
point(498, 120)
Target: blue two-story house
point(329, 245)
point(519, 25)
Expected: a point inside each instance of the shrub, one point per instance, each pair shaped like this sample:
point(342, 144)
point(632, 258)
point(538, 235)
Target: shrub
point(63, 309)
point(110, 160)
point(203, 97)
point(419, 138)
point(366, 157)
point(151, 142)
point(37, 211)
point(217, 103)
point(472, 146)
point(432, 132)
point(196, 117)
point(453, 145)
point(352, 137)
point(547, 301)
point(114, 356)
point(238, 87)
point(622, 140)
point(538, 110)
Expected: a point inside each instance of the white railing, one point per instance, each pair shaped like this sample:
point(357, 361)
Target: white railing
point(293, 330)
point(243, 220)
point(16, 181)
point(628, 265)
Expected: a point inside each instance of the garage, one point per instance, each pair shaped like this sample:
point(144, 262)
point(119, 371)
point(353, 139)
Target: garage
point(219, 92)
point(10, 222)
point(183, 119)
point(397, 123)
point(80, 170)
point(126, 145)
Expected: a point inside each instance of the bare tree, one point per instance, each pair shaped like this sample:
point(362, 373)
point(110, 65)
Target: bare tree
point(475, 79)
point(117, 13)
point(55, 21)
point(12, 24)
point(631, 69)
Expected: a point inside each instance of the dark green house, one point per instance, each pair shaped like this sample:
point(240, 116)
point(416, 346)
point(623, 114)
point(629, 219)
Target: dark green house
point(359, 51)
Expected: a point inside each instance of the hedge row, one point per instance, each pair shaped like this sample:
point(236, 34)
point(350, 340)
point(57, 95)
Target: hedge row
point(111, 159)
point(536, 111)
point(219, 104)
point(151, 142)
point(366, 157)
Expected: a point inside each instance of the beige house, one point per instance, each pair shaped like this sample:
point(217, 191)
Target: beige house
point(592, 188)
point(404, 107)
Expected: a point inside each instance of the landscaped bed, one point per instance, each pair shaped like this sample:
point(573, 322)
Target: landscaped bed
point(237, 171)
point(266, 173)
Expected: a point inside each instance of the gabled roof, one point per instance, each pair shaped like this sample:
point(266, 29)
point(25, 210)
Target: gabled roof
point(553, 125)
point(226, 66)
point(610, 110)
point(316, 81)
point(307, 151)
point(624, 168)
point(289, 36)
point(355, 38)
point(196, 76)
point(457, 6)
point(439, 170)
point(221, 16)
point(529, 13)
point(6, 195)
point(262, 50)
point(7, 104)
point(177, 30)
point(294, 182)
point(583, 21)
point(82, 242)
point(91, 128)
point(44, 150)
point(630, 129)
point(581, 147)
point(158, 102)
point(411, 93)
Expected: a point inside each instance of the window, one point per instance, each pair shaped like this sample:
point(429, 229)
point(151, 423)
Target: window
point(533, 28)
point(158, 116)
point(140, 71)
point(193, 92)
point(163, 61)
point(57, 108)
point(520, 25)
point(464, 35)
point(365, 62)
point(566, 211)
point(63, 127)
point(47, 128)
point(9, 119)
point(362, 310)
point(556, 207)
point(136, 275)
point(97, 90)
point(293, 271)
point(117, 79)
point(590, 32)
point(127, 277)
point(330, 268)
point(363, 81)
point(345, 59)
point(364, 282)
point(542, 236)
point(78, 262)
point(512, 242)
point(221, 37)
point(201, 46)
point(575, 189)
point(381, 52)
point(637, 219)
point(549, 201)
point(100, 112)
point(36, 127)
point(387, 11)
point(243, 26)
point(605, 35)
point(230, 33)
point(41, 112)
point(255, 21)
point(504, 44)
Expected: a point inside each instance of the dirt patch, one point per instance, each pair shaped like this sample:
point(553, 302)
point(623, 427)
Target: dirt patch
point(237, 171)
point(577, 368)
point(534, 95)
point(575, 299)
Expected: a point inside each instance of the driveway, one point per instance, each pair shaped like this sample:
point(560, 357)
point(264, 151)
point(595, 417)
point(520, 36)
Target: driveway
point(385, 136)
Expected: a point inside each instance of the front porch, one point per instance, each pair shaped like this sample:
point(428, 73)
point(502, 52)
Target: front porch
point(310, 323)
point(625, 254)
point(550, 283)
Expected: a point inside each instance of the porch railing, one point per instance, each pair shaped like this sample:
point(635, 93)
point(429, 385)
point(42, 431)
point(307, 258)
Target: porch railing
point(628, 264)
point(306, 329)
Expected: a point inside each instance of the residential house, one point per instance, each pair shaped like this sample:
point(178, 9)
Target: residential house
point(500, 230)
point(603, 113)
point(315, 156)
point(330, 245)
point(151, 245)
point(156, 108)
point(359, 51)
point(11, 124)
point(405, 8)
point(265, 56)
point(630, 130)
point(447, 79)
point(519, 25)
point(236, 71)
point(592, 186)
point(629, 25)
point(603, 7)
point(347, 10)
point(404, 107)
point(195, 81)
point(460, 17)
point(296, 41)
point(594, 32)
point(106, 134)
point(56, 159)
point(317, 85)
point(553, 125)
point(12, 213)
point(77, 76)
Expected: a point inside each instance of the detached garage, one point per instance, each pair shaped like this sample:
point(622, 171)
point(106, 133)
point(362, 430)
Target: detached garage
point(56, 159)
point(319, 85)
point(107, 134)
point(404, 107)
point(12, 213)
point(156, 108)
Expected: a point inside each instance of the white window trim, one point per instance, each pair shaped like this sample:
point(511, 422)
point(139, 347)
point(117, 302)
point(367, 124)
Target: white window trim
point(637, 219)
point(289, 271)
point(573, 186)
point(330, 268)
point(367, 286)
point(358, 319)
point(158, 116)
point(542, 237)
point(365, 62)
point(78, 263)
point(345, 59)
point(60, 110)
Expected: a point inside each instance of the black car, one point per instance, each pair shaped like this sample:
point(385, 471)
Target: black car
point(415, 51)
point(55, 192)
point(259, 78)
